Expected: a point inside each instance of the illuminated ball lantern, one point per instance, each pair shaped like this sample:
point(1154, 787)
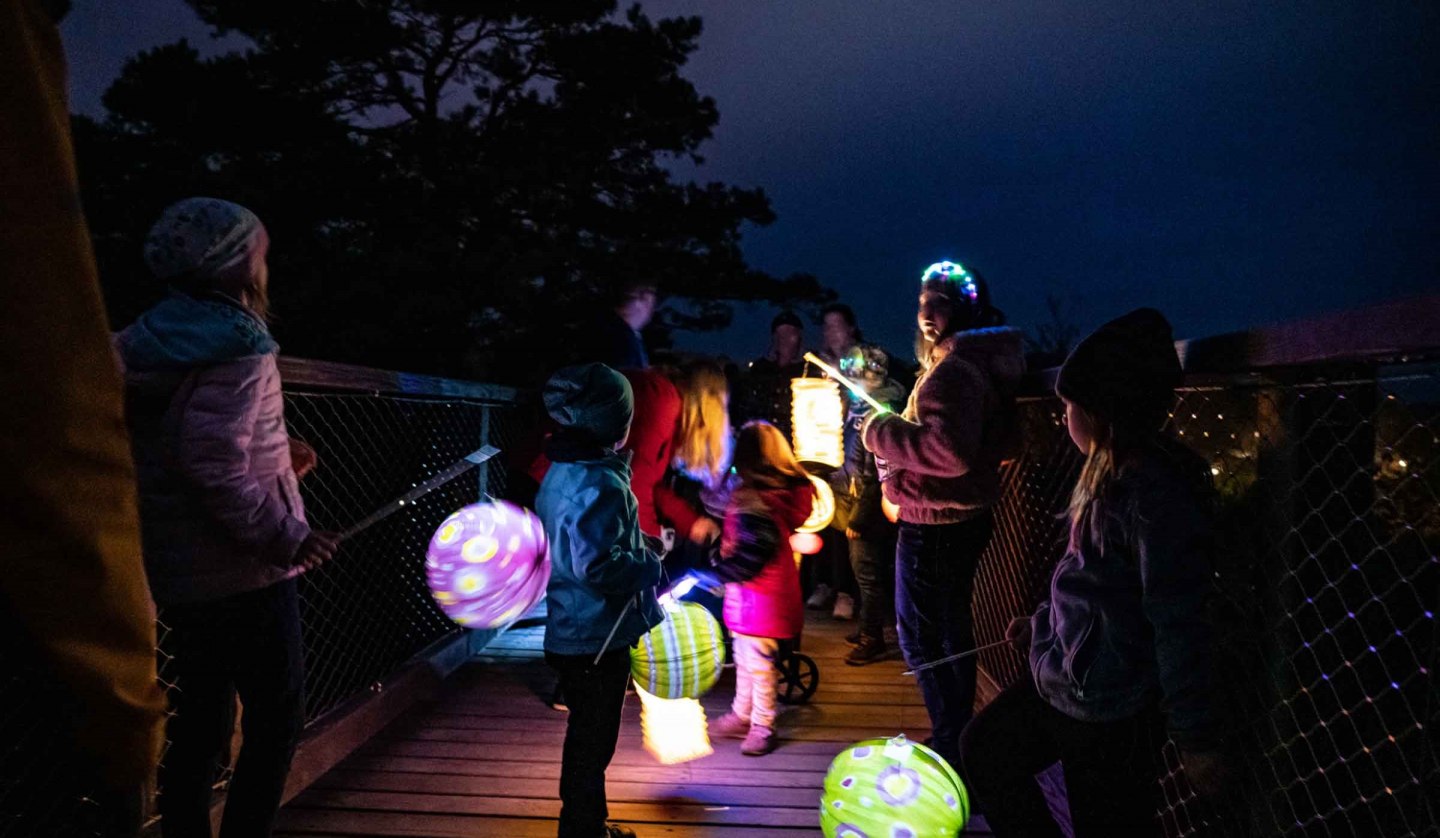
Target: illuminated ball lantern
point(822, 512)
point(817, 421)
point(892, 788)
point(682, 656)
point(488, 564)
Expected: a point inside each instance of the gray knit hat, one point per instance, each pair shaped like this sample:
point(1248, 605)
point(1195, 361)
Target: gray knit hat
point(592, 398)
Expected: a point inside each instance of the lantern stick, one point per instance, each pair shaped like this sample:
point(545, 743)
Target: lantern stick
point(611, 636)
point(977, 650)
point(464, 464)
point(846, 382)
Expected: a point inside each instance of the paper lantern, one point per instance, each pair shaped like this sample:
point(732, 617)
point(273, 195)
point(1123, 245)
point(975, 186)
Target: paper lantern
point(682, 657)
point(892, 788)
point(488, 564)
point(673, 730)
point(822, 508)
point(805, 543)
point(817, 416)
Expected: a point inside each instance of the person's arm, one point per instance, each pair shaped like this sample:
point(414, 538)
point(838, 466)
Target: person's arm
point(216, 427)
point(597, 554)
point(945, 439)
point(1172, 538)
point(72, 575)
point(755, 545)
point(675, 509)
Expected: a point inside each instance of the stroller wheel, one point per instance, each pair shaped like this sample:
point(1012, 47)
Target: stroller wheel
point(799, 678)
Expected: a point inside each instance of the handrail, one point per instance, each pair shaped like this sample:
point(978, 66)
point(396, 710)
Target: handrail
point(306, 372)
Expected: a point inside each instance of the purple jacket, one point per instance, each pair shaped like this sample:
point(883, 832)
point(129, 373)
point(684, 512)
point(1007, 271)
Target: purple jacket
point(942, 455)
point(220, 506)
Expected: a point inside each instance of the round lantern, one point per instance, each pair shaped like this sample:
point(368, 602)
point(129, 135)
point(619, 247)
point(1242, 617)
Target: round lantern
point(488, 564)
point(822, 509)
point(682, 657)
point(892, 788)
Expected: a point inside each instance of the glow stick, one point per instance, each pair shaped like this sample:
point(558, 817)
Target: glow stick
point(846, 382)
point(977, 650)
point(464, 464)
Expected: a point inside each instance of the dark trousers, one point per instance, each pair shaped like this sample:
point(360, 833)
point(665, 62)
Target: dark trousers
point(873, 563)
point(1112, 769)
point(248, 643)
point(934, 582)
point(595, 695)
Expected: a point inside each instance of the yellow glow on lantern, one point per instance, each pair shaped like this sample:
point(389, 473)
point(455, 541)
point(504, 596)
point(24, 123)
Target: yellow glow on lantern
point(450, 532)
point(822, 511)
point(673, 730)
point(817, 415)
point(481, 548)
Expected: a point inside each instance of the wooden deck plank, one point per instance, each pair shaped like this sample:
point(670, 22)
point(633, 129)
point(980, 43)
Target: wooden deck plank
point(484, 758)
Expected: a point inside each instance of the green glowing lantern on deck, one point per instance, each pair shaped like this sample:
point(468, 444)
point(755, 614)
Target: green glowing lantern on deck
point(682, 657)
point(892, 788)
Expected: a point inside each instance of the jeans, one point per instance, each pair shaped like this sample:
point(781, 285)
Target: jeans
point(756, 678)
point(1112, 769)
point(934, 582)
point(595, 695)
point(248, 643)
point(873, 562)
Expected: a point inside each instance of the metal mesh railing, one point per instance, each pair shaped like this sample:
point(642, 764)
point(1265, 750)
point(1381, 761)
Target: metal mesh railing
point(1327, 584)
point(364, 614)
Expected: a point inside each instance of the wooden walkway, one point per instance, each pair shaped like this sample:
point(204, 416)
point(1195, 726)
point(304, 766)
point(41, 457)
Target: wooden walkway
point(484, 759)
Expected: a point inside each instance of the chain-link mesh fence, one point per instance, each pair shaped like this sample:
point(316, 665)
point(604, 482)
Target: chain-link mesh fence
point(364, 614)
point(1327, 583)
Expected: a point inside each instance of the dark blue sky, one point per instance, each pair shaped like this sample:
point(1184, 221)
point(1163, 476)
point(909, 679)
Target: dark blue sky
point(1232, 163)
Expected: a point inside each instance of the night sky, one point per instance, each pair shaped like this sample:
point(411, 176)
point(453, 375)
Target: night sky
point(1231, 163)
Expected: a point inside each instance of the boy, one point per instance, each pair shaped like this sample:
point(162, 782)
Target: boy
point(603, 575)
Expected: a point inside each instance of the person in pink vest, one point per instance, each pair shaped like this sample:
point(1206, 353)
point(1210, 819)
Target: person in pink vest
point(762, 592)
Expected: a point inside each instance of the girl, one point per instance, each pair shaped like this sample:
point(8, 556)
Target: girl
point(762, 594)
point(222, 522)
point(941, 465)
point(1119, 655)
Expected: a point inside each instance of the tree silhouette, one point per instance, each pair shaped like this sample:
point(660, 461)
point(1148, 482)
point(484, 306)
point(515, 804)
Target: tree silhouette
point(450, 186)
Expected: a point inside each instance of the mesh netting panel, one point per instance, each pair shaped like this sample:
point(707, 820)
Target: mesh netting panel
point(1327, 583)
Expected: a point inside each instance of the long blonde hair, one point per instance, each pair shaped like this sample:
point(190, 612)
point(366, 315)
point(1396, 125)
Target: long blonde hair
point(702, 437)
point(1101, 466)
point(764, 458)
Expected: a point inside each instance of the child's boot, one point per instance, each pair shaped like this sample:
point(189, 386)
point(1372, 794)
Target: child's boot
point(730, 726)
point(760, 741)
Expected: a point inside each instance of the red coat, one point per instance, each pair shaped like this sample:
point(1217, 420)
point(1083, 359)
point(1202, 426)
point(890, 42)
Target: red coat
point(767, 604)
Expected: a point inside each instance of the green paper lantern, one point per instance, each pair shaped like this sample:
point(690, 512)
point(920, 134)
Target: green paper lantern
point(892, 788)
point(682, 657)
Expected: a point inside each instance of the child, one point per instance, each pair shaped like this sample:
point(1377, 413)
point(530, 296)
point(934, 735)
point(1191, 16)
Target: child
point(603, 571)
point(856, 483)
point(222, 522)
point(1119, 655)
point(762, 594)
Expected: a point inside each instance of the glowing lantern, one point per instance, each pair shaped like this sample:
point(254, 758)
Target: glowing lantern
point(673, 730)
point(805, 543)
point(892, 788)
point(817, 416)
point(682, 657)
point(488, 564)
point(822, 509)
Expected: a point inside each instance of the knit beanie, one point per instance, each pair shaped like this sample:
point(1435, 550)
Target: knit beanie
point(1125, 372)
point(197, 238)
point(968, 292)
point(593, 399)
point(786, 318)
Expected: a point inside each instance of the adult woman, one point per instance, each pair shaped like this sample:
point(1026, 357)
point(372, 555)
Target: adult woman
point(941, 461)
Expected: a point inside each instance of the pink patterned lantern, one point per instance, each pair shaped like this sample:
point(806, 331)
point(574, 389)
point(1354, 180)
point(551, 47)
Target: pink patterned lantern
point(488, 564)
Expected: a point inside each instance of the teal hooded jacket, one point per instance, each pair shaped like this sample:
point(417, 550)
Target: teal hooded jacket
point(599, 558)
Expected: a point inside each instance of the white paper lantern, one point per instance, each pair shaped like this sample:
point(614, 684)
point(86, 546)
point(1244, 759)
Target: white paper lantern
point(817, 421)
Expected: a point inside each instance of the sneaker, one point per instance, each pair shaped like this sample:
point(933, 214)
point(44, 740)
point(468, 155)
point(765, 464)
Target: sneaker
point(868, 650)
point(760, 741)
point(821, 599)
point(844, 607)
point(557, 701)
point(730, 726)
point(615, 830)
